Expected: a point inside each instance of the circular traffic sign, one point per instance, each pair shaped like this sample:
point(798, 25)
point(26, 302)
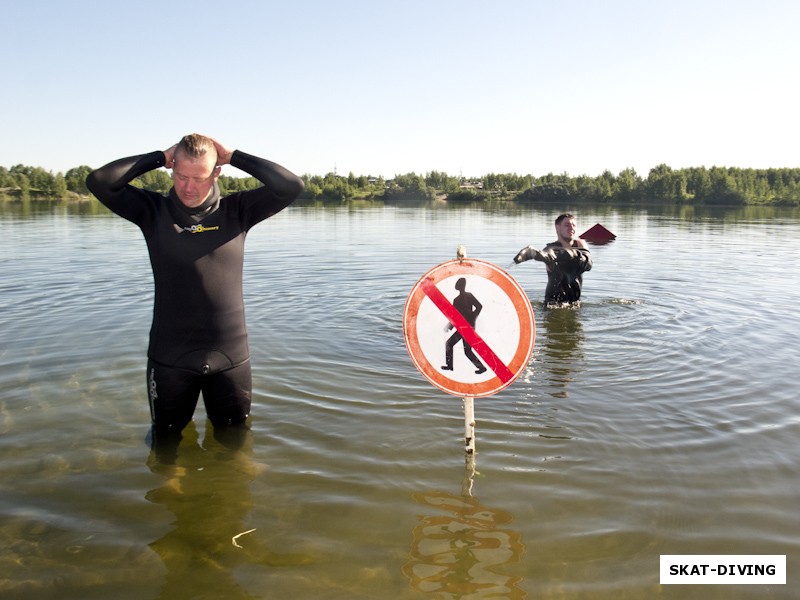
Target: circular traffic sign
point(469, 327)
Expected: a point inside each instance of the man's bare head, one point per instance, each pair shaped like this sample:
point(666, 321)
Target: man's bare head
point(195, 146)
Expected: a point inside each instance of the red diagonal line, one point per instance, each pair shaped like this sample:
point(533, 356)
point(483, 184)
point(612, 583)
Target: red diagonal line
point(467, 331)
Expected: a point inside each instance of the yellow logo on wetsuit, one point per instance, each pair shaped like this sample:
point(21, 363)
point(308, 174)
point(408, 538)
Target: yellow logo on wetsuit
point(200, 228)
point(195, 228)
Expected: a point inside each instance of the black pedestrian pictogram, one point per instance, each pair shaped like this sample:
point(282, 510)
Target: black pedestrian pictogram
point(469, 307)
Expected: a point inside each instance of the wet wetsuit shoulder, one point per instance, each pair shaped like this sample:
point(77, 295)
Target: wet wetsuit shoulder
point(280, 188)
point(111, 185)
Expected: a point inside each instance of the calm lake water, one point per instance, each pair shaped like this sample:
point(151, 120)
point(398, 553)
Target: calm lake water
point(662, 417)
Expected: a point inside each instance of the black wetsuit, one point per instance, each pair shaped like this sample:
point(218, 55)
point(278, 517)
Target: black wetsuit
point(197, 255)
point(565, 270)
point(565, 273)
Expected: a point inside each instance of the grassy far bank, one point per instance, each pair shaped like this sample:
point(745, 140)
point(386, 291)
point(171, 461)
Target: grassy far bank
point(715, 186)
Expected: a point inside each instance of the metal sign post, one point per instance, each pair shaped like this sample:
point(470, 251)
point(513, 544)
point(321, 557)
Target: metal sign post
point(469, 424)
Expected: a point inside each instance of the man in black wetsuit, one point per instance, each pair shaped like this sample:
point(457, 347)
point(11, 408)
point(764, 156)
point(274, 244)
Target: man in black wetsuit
point(566, 260)
point(195, 238)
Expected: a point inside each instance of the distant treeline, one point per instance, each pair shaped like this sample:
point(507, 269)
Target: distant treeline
point(663, 185)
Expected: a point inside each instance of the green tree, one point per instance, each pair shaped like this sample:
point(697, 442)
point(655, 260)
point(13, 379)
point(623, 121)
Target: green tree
point(605, 186)
point(627, 186)
point(722, 188)
point(6, 179)
point(40, 179)
point(76, 179)
point(156, 180)
point(698, 183)
point(410, 186)
point(59, 186)
point(665, 185)
point(24, 185)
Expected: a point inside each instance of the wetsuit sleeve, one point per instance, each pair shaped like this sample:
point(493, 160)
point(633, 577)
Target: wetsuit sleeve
point(527, 253)
point(111, 185)
point(281, 187)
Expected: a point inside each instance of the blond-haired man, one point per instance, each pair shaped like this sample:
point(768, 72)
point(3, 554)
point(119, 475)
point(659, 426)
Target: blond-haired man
point(195, 239)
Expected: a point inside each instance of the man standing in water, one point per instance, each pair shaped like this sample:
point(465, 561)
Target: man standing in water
point(195, 238)
point(566, 260)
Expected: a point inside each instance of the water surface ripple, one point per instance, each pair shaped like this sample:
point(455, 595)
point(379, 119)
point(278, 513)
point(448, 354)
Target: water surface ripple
point(661, 417)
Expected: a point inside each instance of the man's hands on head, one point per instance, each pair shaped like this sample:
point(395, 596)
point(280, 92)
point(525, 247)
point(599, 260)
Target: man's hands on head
point(223, 154)
point(169, 156)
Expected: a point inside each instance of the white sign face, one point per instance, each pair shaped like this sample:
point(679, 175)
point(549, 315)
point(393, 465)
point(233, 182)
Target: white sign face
point(497, 325)
point(469, 327)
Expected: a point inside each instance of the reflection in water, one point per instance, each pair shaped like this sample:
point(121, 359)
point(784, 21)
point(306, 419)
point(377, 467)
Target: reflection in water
point(207, 489)
point(462, 554)
point(561, 348)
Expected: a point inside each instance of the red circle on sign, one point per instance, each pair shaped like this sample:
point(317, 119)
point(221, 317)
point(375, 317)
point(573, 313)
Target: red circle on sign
point(503, 367)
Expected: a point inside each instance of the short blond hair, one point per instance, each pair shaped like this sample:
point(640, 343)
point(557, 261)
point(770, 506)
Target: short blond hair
point(195, 146)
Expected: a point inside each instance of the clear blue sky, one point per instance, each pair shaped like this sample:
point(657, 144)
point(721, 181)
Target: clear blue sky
point(384, 88)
